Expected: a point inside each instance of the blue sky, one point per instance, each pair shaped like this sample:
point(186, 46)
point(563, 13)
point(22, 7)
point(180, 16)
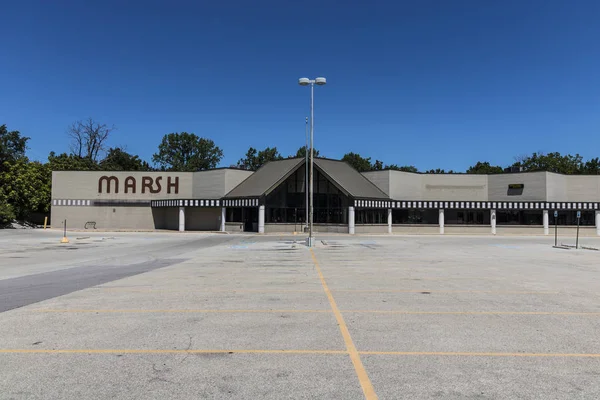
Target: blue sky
point(425, 83)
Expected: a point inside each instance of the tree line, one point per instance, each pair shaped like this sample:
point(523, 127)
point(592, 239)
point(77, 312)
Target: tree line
point(25, 185)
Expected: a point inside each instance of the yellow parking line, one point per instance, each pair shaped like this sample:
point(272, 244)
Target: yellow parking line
point(361, 372)
point(470, 354)
point(165, 351)
point(583, 314)
point(71, 310)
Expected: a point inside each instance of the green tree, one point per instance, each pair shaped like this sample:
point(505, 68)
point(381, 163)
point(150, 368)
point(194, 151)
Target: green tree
point(25, 187)
point(377, 166)
point(485, 168)
point(255, 159)
point(439, 171)
point(187, 152)
point(118, 159)
point(404, 168)
point(358, 162)
point(552, 162)
point(592, 167)
point(12, 145)
point(301, 153)
point(7, 214)
point(70, 162)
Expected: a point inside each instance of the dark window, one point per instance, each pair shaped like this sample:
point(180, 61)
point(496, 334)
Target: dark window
point(519, 217)
point(290, 215)
point(415, 216)
point(569, 217)
point(371, 216)
point(233, 214)
point(288, 201)
point(467, 217)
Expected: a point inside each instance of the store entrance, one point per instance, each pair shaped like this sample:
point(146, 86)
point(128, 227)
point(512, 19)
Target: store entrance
point(250, 218)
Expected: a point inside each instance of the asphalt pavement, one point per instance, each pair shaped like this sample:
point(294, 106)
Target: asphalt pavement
point(188, 316)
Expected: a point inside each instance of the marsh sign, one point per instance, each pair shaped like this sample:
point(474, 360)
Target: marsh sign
point(147, 184)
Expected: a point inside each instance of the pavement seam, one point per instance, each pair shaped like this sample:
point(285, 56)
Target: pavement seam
point(291, 311)
point(165, 351)
point(478, 354)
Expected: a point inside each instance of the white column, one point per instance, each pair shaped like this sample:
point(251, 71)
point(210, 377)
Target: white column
point(223, 209)
point(546, 223)
point(389, 220)
point(442, 219)
point(351, 220)
point(493, 220)
point(598, 222)
point(261, 219)
point(181, 219)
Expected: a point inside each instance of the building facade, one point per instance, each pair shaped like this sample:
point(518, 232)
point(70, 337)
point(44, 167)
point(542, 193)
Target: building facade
point(273, 199)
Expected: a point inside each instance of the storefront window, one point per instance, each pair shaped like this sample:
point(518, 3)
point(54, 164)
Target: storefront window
point(408, 217)
point(286, 204)
point(519, 217)
point(370, 216)
point(569, 217)
point(233, 214)
point(467, 217)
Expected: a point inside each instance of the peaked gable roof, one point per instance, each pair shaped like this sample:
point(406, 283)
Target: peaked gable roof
point(349, 179)
point(265, 178)
point(274, 173)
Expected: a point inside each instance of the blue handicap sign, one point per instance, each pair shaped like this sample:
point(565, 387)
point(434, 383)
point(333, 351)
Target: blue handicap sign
point(555, 214)
point(578, 214)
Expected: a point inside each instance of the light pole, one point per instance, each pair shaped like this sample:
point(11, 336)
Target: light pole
point(306, 176)
point(312, 82)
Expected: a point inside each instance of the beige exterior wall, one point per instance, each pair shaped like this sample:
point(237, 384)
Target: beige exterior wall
point(106, 218)
point(202, 219)
point(583, 188)
point(454, 187)
point(556, 187)
point(410, 186)
point(534, 190)
point(406, 185)
point(381, 179)
point(90, 185)
point(166, 218)
point(217, 183)
point(234, 177)
point(85, 185)
point(539, 186)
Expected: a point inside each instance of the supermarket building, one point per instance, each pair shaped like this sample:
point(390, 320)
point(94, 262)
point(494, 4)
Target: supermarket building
point(273, 199)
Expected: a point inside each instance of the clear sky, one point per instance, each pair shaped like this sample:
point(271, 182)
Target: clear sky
point(425, 83)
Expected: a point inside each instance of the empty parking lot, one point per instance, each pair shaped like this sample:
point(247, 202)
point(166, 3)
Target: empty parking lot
point(167, 315)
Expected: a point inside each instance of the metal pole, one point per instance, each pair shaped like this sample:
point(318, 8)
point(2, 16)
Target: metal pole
point(577, 239)
point(306, 175)
point(312, 127)
point(555, 231)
